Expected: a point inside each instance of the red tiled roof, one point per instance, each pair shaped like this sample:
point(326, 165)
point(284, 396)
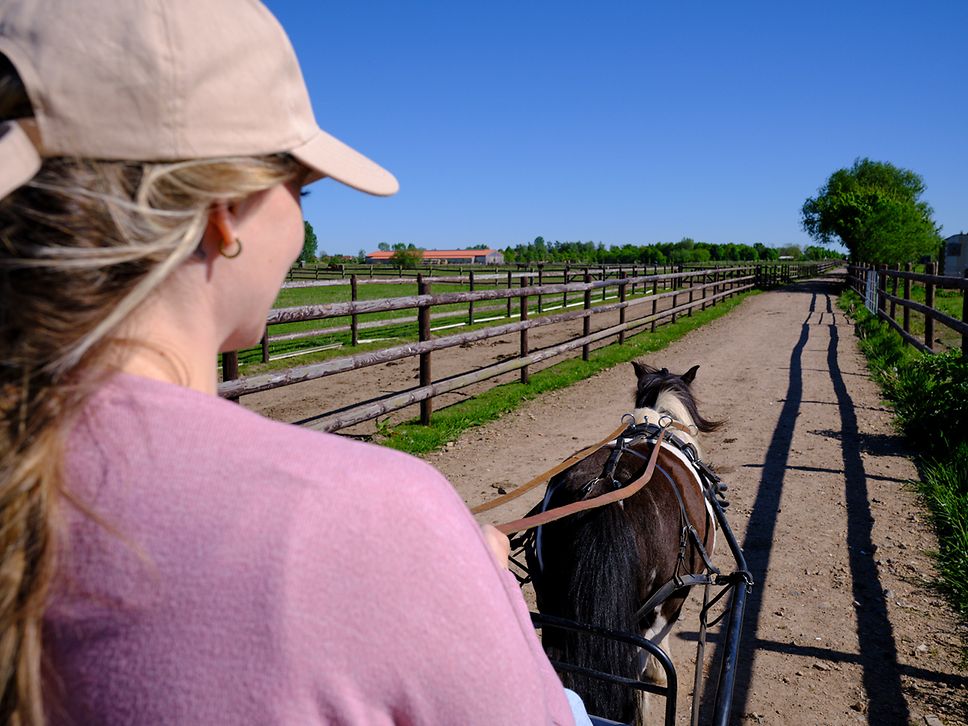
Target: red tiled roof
point(435, 254)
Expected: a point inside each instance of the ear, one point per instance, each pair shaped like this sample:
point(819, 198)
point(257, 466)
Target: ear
point(639, 369)
point(220, 231)
point(690, 375)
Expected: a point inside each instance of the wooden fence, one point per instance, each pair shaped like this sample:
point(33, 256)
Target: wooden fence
point(871, 282)
point(684, 291)
point(553, 271)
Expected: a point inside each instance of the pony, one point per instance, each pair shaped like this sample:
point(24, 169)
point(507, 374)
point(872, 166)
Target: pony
point(599, 566)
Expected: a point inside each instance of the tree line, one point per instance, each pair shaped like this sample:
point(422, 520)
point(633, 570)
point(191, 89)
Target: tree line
point(659, 253)
point(685, 250)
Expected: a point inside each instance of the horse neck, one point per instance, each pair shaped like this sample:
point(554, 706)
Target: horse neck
point(667, 404)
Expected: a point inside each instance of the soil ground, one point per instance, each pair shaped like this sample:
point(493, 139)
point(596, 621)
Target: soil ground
point(843, 625)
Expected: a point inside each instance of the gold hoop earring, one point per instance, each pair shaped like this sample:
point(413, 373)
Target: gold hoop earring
point(238, 251)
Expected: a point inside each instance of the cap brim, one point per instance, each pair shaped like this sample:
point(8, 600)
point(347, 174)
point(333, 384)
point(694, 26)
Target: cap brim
point(19, 160)
point(328, 156)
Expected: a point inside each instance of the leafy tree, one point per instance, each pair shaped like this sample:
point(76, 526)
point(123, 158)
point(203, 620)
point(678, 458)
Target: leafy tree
point(308, 253)
point(383, 247)
point(406, 257)
point(875, 209)
point(361, 257)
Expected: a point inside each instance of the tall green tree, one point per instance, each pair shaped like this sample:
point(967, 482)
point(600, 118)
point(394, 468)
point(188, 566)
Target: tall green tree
point(875, 209)
point(407, 257)
point(308, 253)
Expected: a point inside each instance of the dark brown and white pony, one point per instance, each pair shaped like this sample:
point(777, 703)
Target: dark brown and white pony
point(598, 567)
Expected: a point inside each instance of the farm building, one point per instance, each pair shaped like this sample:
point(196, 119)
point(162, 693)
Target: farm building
point(453, 257)
point(956, 254)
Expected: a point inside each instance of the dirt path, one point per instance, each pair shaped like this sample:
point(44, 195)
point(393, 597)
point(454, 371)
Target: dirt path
point(842, 626)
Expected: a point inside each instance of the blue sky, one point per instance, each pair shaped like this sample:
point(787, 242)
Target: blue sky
point(626, 121)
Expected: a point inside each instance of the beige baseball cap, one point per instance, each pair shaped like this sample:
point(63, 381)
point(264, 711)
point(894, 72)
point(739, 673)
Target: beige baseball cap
point(163, 80)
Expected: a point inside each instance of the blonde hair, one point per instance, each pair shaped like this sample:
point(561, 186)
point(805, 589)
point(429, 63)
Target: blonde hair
point(81, 246)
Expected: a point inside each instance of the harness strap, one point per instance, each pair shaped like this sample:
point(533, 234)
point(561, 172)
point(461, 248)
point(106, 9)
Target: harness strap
point(617, 495)
point(542, 478)
point(664, 592)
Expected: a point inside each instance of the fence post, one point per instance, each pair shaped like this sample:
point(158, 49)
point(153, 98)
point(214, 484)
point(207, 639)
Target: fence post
point(929, 302)
point(586, 323)
point(354, 318)
point(230, 367)
point(604, 287)
point(564, 295)
point(423, 326)
point(895, 267)
point(881, 289)
point(691, 279)
point(906, 314)
point(265, 345)
point(675, 297)
point(524, 332)
point(510, 283)
point(470, 305)
point(964, 314)
point(621, 311)
point(540, 283)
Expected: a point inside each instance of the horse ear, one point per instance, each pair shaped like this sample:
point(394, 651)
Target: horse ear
point(639, 369)
point(690, 375)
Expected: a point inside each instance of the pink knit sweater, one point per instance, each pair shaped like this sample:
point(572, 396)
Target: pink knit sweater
point(237, 570)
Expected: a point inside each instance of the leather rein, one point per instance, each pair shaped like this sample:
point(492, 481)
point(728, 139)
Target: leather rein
point(617, 495)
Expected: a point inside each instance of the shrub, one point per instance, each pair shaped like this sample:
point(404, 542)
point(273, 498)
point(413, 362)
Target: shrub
point(945, 489)
point(930, 395)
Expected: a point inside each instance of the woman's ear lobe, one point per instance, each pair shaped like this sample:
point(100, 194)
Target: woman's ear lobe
point(219, 219)
point(218, 233)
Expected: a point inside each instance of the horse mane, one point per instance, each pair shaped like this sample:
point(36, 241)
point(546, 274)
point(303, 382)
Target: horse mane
point(655, 384)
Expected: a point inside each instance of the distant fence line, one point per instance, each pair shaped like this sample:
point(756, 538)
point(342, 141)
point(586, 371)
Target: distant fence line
point(685, 291)
point(387, 273)
point(871, 283)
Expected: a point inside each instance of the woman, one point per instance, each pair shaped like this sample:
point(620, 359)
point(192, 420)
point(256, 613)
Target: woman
point(169, 557)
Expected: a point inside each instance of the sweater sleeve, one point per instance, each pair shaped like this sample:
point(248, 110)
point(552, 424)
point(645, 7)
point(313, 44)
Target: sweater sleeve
point(402, 615)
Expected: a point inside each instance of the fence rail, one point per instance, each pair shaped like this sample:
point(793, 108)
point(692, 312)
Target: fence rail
point(871, 283)
point(685, 292)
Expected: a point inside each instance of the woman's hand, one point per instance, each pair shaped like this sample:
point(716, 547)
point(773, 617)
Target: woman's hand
point(498, 543)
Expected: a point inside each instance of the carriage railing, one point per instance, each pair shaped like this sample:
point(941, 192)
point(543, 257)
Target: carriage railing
point(736, 583)
point(669, 691)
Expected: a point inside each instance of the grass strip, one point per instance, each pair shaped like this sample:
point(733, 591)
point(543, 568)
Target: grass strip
point(929, 397)
point(449, 423)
